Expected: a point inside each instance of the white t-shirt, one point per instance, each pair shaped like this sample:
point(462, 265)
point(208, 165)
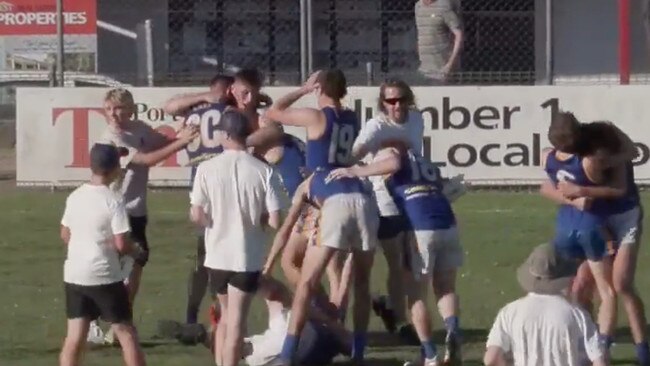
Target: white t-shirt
point(266, 347)
point(93, 213)
point(380, 129)
point(136, 136)
point(545, 330)
point(236, 189)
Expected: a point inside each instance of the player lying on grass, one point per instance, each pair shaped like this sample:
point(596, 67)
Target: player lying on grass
point(597, 163)
point(619, 204)
point(433, 248)
point(322, 338)
point(95, 229)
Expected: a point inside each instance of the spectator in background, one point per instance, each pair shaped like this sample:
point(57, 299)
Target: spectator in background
point(544, 327)
point(436, 22)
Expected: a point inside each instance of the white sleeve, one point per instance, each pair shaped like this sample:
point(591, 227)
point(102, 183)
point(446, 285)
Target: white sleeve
point(199, 195)
point(273, 192)
point(65, 220)
point(120, 219)
point(368, 137)
point(499, 334)
point(594, 349)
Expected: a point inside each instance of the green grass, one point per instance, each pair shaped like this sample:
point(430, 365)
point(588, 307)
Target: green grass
point(498, 230)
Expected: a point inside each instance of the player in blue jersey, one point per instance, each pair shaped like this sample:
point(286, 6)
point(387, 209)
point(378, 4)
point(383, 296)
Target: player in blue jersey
point(618, 203)
point(433, 248)
point(348, 217)
point(580, 221)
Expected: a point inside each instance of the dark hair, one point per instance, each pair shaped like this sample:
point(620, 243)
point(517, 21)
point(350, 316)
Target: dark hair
point(235, 124)
point(333, 84)
point(252, 77)
point(407, 92)
point(223, 79)
point(564, 132)
point(598, 137)
point(105, 158)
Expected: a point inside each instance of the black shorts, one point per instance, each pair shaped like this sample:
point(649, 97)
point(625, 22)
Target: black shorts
point(139, 238)
point(245, 281)
point(110, 302)
point(390, 226)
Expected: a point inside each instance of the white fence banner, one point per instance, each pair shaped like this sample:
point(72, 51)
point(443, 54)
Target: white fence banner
point(493, 135)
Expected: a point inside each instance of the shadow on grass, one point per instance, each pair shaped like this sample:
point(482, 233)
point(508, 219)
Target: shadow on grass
point(387, 340)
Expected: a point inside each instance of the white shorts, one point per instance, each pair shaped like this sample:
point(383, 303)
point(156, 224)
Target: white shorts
point(429, 251)
point(348, 221)
point(626, 226)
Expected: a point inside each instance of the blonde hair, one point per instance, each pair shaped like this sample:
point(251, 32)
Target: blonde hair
point(120, 96)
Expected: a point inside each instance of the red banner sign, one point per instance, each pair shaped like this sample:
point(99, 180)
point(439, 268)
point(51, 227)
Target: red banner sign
point(38, 17)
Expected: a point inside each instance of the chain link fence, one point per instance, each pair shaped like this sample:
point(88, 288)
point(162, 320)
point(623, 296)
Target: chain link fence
point(185, 42)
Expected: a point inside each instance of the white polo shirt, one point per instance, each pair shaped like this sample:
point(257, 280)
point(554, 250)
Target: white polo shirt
point(545, 330)
point(93, 213)
point(236, 189)
point(374, 133)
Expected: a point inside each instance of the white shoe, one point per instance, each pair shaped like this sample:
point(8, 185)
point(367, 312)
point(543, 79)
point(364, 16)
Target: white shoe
point(95, 334)
point(430, 362)
point(109, 338)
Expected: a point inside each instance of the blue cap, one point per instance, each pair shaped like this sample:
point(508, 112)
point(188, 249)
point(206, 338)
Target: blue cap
point(104, 158)
point(235, 124)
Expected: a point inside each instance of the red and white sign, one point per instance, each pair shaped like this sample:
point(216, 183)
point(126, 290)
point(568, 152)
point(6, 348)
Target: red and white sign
point(492, 135)
point(38, 17)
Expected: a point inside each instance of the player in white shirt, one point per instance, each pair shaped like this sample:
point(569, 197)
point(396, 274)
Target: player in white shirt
point(95, 228)
point(544, 328)
point(398, 120)
point(241, 195)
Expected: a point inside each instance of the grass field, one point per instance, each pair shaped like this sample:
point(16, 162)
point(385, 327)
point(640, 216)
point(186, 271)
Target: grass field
point(498, 231)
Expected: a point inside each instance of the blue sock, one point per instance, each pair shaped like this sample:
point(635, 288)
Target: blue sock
point(289, 347)
point(429, 349)
point(358, 345)
point(606, 340)
point(643, 353)
point(452, 324)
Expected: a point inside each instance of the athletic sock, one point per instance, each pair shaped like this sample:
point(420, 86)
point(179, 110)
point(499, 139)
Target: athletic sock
point(643, 353)
point(358, 345)
point(429, 349)
point(452, 324)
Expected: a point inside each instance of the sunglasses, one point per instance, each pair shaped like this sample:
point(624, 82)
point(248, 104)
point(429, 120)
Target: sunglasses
point(393, 101)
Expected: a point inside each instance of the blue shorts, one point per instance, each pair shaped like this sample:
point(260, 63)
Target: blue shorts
point(317, 345)
point(581, 244)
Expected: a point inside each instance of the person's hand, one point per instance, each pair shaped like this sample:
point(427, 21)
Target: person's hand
point(569, 190)
point(265, 100)
point(312, 83)
point(340, 173)
point(188, 133)
point(582, 203)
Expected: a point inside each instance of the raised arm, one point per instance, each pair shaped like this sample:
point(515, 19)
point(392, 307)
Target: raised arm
point(181, 104)
point(185, 136)
point(301, 117)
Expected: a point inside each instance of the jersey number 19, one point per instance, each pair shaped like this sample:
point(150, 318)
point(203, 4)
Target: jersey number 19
point(341, 142)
